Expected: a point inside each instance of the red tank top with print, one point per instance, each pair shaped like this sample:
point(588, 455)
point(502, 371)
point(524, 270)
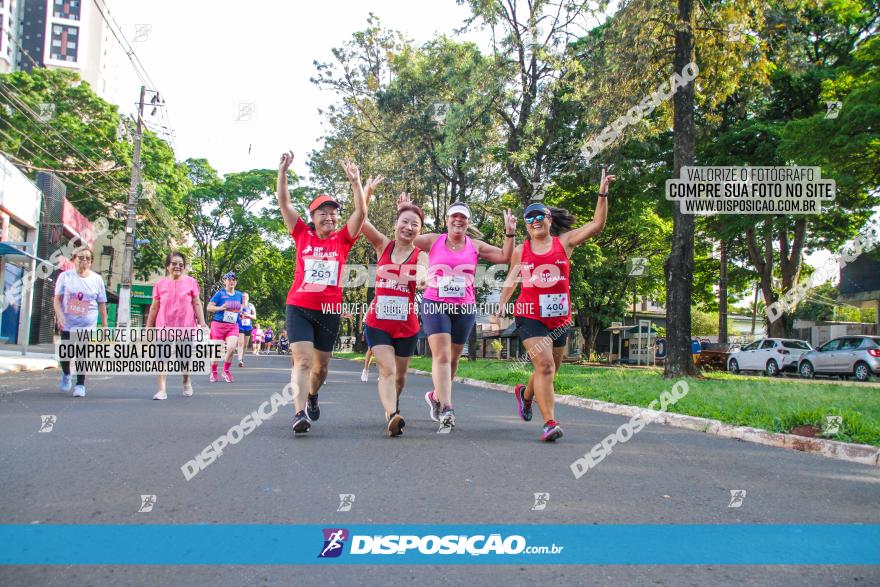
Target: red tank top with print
point(544, 291)
point(393, 307)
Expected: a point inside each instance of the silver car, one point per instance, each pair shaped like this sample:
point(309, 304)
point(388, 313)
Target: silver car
point(770, 355)
point(858, 356)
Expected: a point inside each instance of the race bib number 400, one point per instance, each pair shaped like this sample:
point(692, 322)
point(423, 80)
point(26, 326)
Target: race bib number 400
point(392, 307)
point(451, 286)
point(321, 272)
point(553, 305)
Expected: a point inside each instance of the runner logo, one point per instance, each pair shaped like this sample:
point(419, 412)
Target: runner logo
point(47, 423)
point(147, 503)
point(832, 109)
point(637, 266)
point(831, 427)
point(346, 500)
point(334, 540)
point(737, 496)
point(541, 501)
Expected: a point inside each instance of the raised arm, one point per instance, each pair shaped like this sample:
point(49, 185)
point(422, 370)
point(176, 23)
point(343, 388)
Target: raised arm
point(290, 215)
point(494, 254)
point(376, 238)
point(575, 237)
point(510, 283)
point(356, 220)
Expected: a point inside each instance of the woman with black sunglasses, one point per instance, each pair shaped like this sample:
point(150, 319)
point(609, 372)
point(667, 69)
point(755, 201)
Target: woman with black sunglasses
point(543, 309)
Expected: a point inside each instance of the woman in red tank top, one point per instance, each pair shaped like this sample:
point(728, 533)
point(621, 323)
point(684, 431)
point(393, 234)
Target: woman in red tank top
point(543, 309)
point(392, 324)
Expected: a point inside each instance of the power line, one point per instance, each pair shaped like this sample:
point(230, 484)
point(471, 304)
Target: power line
point(68, 180)
point(26, 111)
point(137, 64)
point(129, 52)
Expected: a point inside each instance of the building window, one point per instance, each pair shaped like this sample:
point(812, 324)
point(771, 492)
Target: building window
point(68, 9)
point(65, 40)
point(16, 232)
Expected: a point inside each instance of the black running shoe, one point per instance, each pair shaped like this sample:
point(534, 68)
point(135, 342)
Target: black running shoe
point(312, 408)
point(395, 425)
point(301, 423)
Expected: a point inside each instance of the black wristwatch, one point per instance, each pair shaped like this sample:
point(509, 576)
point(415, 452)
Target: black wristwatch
point(510, 235)
point(601, 195)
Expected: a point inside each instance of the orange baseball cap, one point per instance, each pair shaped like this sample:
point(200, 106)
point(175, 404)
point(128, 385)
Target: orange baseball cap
point(321, 200)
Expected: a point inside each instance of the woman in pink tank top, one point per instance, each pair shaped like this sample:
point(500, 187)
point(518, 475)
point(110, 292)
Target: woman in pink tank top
point(448, 309)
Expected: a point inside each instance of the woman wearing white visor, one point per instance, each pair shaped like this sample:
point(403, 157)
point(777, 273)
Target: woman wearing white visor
point(448, 309)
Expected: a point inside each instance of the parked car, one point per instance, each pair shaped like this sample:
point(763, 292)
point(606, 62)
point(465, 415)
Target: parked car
point(858, 356)
point(770, 355)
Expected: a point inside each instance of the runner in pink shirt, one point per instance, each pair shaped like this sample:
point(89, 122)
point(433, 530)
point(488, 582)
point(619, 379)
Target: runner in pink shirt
point(257, 338)
point(176, 304)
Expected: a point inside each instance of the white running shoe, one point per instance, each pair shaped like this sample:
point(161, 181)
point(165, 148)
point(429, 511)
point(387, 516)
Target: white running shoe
point(188, 390)
point(66, 383)
point(365, 375)
point(161, 395)
point(79, 391)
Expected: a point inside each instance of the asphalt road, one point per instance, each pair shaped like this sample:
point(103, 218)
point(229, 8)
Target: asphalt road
point(108, 449)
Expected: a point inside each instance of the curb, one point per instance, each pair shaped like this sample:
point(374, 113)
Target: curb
point(43, 364)
point(864, 454)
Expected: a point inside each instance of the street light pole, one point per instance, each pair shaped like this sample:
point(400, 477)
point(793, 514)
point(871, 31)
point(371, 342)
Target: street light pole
point(123, 314)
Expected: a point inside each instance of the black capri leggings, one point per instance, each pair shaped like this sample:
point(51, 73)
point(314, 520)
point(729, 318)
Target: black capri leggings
point(65, 365)
point(314, 326)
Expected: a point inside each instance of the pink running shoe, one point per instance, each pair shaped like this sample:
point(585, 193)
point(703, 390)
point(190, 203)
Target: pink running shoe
point(227, 377)
point(213, 377)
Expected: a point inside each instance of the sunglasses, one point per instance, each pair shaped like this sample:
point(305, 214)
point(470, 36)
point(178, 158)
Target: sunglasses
point(535, 218)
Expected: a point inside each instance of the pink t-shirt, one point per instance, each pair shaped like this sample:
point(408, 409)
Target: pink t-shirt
point(176, 302)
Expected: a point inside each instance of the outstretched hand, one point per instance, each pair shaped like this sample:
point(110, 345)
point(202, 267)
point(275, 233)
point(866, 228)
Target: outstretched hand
point(404, 199)
point(286, 160)
point(372, 184)
point(605, 182)
point(352, 171)
point(509, 222)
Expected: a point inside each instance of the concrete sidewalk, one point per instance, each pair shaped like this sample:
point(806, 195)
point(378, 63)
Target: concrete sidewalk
point(38, 357)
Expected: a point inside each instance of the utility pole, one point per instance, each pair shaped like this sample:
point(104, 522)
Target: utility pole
point(123, 314)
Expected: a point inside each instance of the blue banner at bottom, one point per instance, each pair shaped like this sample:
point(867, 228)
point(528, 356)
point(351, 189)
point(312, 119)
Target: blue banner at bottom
point(265, 544)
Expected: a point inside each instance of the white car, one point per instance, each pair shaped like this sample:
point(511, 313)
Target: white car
point(770, 355)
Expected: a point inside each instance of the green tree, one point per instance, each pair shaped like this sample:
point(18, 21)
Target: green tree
point(221, 215)
point(53, 121)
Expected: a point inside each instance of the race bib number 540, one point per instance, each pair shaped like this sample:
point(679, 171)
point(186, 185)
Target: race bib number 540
point(451, 286)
